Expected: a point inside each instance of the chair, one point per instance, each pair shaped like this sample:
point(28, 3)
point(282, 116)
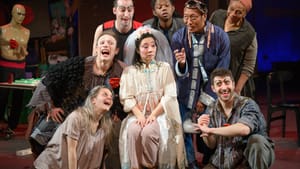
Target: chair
point(275, 83)
point(49, 49)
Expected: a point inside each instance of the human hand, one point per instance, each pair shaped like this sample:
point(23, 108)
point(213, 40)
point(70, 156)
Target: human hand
point(141, 120)
point(205, 131)
point(150, 119)
point(180, 55)
point(203, 122)
point(22, 52)
point(13, 44)
point(56, 114)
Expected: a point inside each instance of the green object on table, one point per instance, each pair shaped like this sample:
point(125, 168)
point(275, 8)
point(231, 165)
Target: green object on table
point(27, 81)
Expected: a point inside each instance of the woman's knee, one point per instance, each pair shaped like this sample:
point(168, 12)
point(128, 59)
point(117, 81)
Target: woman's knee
point(134, 130)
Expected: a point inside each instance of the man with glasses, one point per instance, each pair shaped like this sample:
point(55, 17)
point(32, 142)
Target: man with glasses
point(199, 48)
point(122, 26)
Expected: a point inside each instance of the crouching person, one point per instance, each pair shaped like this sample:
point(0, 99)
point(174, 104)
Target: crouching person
point(80, 140)
point(235, 127)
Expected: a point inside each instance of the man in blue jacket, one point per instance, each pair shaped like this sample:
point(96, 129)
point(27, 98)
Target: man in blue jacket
point(199, 48)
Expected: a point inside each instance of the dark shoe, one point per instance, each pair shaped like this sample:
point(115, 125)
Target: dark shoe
point(9, 133)
point(193, 165)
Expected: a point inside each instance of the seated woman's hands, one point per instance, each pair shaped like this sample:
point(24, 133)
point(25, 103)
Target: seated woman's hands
point(150, 119)
point(141, 120)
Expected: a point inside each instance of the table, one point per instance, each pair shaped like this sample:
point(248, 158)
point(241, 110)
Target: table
point(23, 84)
point(18, 86)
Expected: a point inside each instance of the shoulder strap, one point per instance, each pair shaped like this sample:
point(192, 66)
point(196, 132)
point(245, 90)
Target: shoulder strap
point(108, 24)
point(136, 24)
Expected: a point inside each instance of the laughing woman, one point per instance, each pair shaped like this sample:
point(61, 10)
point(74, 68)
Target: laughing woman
point(79, 141)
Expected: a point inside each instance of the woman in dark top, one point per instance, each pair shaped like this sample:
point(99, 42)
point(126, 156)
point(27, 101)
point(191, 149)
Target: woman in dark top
point(243, 43)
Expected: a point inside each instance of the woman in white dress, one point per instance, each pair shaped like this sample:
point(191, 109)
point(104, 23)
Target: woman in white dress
point(151, 136)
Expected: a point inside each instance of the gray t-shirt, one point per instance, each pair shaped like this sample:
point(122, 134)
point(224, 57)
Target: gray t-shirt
point(89, 147)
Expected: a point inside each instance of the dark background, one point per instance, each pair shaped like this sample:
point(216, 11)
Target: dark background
point(276, 22)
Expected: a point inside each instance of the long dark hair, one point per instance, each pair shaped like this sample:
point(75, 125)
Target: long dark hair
point(137, 61)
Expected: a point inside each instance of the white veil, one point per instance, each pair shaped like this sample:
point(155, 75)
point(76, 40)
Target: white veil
point(164, 52)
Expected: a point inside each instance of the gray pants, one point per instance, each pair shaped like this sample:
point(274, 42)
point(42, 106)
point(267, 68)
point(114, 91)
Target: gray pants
point(259, 154)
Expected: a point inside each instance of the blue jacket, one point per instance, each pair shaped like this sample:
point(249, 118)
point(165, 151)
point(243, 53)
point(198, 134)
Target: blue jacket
point(216, 55)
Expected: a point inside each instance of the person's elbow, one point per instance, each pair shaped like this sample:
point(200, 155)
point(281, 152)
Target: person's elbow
point(244, 130)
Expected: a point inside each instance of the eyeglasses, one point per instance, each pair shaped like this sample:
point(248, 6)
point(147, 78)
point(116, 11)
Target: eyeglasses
point(191, 18)
point(124, 8)
point(195, 4)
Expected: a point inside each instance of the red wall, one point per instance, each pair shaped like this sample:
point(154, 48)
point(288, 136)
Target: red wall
point(143, 9)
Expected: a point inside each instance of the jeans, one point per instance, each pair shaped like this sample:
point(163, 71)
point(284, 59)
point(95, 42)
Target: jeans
point(185, 113)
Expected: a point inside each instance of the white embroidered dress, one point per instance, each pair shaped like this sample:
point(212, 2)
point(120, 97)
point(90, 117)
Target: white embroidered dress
point(141, 85)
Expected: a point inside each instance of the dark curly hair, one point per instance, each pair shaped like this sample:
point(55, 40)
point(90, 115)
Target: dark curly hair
point(64, 84)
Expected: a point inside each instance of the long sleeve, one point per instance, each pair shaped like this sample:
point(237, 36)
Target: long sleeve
point(250, 58)
point(127, 90)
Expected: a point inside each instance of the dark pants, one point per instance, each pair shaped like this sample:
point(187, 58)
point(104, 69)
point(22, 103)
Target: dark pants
point(36, 148)
point(202, 148)
point(17, 96)
point(189, 147)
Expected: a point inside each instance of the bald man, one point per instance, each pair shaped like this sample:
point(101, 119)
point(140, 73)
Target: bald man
point(13, 50)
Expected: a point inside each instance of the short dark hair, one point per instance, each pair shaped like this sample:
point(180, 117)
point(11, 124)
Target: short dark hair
point(107, 32)
point(153, 2)
point(196, 4)
point(220, 72)
point(115, 3)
